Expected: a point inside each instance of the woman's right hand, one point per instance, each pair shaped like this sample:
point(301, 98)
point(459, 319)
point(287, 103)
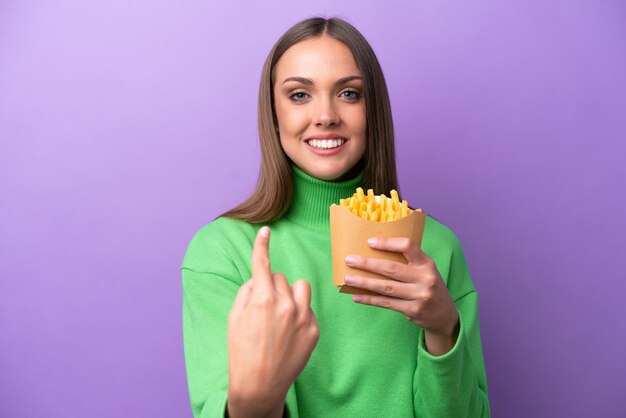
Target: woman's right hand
point(272, 332)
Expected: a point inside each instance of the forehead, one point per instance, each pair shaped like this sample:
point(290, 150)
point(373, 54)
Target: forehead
point(318, 57)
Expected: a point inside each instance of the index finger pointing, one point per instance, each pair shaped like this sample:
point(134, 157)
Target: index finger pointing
point(261, 268)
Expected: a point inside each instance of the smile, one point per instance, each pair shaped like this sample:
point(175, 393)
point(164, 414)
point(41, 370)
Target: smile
point(326, 143)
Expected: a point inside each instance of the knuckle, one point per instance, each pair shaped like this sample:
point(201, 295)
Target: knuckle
point(429, 263)
point(264, 261)
point(265, 299)
point(405, 244)
point(246, 287)
point(430, 281)
point(312, 318)
point(315, 332)
point(301, 321)
point(387, 289)
point(279, 278)
point(390, 268)
point(312, 328)
point(364, 298)
point(384, 302)
point(305, 317)
point(287, 309)
point(361, 262)
point(302, 284)
point(413, 311)
point(425, 296)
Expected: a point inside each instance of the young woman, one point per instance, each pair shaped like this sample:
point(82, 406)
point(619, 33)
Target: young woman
point(262, 342)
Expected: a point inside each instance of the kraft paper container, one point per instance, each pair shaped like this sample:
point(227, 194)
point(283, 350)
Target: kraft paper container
point(349, 234)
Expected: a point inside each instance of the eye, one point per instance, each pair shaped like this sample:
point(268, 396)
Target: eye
point(351, 95)
point(298, 96)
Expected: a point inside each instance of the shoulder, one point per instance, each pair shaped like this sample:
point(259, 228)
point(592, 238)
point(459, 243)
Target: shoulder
point(439, 237)
point(220, 239)
point(220, 229)
point(443, 246)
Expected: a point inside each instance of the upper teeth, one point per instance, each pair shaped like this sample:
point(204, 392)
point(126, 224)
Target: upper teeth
point(326, 143)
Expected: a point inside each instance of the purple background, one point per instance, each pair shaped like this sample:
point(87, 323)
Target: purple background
point(127, 126)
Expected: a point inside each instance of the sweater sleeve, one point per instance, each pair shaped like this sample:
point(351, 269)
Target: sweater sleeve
point(211, 279)
point(206, 303)
point(454, 384)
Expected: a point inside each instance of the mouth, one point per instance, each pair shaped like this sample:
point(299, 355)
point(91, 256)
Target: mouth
point(325, 144)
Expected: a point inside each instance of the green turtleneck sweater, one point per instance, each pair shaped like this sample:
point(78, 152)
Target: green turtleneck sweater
point(369, 362)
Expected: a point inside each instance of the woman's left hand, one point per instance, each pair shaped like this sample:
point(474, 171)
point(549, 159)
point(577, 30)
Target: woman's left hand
point(416, 290)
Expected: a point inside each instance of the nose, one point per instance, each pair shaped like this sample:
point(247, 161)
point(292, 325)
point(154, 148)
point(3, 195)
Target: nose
point(326, 114)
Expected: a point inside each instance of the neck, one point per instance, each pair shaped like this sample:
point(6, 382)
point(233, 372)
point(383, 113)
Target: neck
point(313, 197)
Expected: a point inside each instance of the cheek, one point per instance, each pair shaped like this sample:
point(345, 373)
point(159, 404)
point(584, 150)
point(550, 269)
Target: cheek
point(290, 118)
point(361, 127)
point(358, 120)
point(280, 112)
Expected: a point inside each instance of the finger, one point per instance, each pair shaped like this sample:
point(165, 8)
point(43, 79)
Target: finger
point(241, 300)
point(409, 309)
point(406, 246)
point(261, 268)
point(301, 291)
point(387, 268)
point(281, 284)
point(393, 288)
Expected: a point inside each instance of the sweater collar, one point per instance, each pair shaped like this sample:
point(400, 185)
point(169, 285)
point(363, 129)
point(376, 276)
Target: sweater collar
point(312, 198)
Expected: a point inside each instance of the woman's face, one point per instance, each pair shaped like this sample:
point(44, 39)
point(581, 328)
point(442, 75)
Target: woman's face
point(320, 107)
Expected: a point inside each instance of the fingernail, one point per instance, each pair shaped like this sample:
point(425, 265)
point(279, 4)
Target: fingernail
point(372, 241)
point(350, 260)
point(265, 231)
point(357, 299)
point(350, 279)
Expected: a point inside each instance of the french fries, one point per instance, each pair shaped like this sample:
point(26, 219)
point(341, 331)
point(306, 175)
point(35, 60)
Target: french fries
point(377, 208)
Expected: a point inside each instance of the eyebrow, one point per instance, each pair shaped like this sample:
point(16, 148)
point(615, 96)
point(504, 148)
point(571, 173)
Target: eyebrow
point(309, 82)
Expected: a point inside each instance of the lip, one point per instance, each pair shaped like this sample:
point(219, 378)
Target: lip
point(326, 152)
point(329, 135)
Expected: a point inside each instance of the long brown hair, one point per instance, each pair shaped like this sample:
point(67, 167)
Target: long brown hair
point(274, 190)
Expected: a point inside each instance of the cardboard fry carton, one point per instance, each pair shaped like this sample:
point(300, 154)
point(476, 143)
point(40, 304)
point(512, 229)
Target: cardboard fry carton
point(349, 234)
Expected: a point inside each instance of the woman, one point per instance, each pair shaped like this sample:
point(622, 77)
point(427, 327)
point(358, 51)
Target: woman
point(264, 344)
